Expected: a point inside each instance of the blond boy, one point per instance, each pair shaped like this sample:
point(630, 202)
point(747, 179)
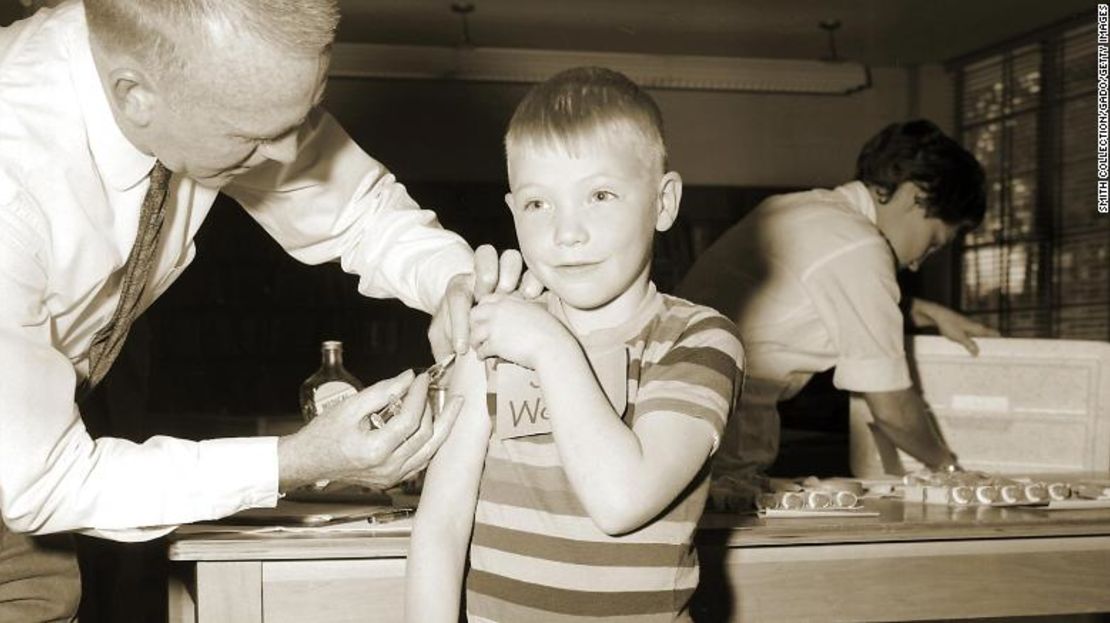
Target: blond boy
point(580, 501)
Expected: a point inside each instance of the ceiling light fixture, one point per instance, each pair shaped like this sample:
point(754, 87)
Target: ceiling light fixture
point(468, 62)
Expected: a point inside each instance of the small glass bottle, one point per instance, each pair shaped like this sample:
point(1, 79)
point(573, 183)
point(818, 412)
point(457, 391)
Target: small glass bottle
point(330, 385)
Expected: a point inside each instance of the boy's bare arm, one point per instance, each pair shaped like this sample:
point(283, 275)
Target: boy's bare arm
point(624, 477)
point(445, 515)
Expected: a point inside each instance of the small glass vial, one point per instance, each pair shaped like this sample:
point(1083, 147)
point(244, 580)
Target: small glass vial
point(330, 385)
point(437, 398)
point(437, 395)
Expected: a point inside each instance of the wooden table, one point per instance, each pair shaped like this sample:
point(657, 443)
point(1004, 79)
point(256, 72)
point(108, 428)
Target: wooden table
point(911, 562)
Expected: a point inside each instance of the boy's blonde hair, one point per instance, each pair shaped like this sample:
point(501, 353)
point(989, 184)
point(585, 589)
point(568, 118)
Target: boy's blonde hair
point(572, 107)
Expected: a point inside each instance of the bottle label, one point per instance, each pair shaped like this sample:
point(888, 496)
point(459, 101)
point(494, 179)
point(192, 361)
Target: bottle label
point(330, 394)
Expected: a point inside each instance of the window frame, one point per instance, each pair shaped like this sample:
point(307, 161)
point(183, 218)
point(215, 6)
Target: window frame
point(1048, 235)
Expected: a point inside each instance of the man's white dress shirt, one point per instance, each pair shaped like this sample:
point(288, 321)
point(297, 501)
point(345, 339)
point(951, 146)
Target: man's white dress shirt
point(811, 283)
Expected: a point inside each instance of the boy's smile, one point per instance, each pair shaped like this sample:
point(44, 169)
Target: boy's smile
point(577, 270)
point(585, 221)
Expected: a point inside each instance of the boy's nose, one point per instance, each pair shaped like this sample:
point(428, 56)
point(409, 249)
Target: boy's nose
point(568, 229)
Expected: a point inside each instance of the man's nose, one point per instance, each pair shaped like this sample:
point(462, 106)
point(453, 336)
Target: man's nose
point(283, 150)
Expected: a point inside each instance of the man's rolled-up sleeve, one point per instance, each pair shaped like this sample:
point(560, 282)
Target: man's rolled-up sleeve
point(337, 203)
point(856, 296)
point(53, 476)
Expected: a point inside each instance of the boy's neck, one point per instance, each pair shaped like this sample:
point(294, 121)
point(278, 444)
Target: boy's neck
point(611, 315)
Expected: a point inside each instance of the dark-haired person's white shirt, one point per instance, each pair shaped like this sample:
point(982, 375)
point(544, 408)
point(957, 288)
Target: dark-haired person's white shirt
point(811, 283)
point(71, 187)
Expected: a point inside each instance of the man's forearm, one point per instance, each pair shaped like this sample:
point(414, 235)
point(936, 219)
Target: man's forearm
point(114, 487)
point(904, 418)
point(921, 313)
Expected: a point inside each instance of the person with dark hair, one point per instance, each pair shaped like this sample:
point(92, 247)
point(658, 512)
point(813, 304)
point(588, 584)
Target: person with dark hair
point(810, 280)
point(949, 177)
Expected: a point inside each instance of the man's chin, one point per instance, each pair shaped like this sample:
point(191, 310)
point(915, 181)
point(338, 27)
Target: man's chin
point(219, 180)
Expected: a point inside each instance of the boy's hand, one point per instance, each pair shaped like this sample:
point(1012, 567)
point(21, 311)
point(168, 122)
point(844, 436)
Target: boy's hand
point(515, 330)
point(449, 330)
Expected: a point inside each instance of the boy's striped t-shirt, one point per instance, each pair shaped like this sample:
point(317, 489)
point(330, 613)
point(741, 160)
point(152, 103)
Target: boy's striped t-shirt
point(536, 555)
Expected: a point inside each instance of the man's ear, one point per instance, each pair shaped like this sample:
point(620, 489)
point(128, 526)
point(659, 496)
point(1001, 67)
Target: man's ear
point(882, 195)
point(905, 197)
point(133, 94)
point(670, 195)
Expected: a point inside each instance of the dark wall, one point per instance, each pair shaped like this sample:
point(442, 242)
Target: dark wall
point(241, 328)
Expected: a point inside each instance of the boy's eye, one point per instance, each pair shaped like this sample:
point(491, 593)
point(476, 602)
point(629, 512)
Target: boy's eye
point(603, 195)
point(533, 204)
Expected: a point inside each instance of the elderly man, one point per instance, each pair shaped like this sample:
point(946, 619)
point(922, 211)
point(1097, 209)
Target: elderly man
point(119, 123)
point(810, 280)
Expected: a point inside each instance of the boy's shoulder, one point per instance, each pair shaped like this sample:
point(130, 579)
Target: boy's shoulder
point(679, 308)
point(680, 320)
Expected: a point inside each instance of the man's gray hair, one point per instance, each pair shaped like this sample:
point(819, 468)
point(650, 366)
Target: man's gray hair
point(157, 31)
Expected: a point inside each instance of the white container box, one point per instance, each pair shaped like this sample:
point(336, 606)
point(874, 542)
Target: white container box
point(1021, 406)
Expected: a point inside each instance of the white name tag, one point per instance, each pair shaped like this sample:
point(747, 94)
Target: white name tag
point(520, 406)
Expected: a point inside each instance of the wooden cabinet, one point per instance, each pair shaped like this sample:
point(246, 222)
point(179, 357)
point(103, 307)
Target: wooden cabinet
point(911, 562)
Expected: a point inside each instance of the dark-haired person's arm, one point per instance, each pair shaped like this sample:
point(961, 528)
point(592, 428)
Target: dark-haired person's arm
point(950, 324)
point(862, 306)
point(904, 418)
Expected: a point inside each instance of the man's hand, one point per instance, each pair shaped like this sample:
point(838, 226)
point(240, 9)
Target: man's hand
point(341, 444)
point(950, 324)
point(450, 328)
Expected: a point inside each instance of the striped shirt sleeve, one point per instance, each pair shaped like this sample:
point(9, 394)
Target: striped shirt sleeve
point(692, 365)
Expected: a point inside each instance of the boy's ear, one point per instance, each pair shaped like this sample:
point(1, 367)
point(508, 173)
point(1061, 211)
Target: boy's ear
point(670, 195)
point(509, 201)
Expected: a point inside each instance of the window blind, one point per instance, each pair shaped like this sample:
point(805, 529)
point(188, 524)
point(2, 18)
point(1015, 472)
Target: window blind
point(1039, 265)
